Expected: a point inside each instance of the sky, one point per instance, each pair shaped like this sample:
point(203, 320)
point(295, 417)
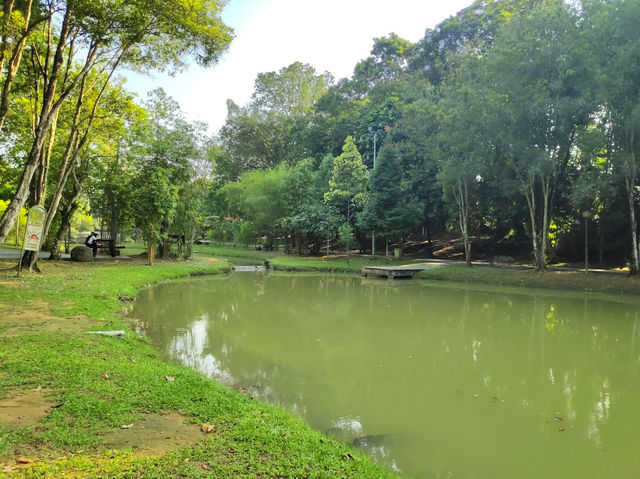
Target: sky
point(330, 35)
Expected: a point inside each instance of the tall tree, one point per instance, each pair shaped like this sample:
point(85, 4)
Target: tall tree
point(614, 36)
point(462, 148)
point(539, 79)
point(348, 183)
point(390, 211)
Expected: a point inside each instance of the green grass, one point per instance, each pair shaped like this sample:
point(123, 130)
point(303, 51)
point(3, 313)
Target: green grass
point(280, 261)
point(100, 383)
point(611, 283)
point(616, 283)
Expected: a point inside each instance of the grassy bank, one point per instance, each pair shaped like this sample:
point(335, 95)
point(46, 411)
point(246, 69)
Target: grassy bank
point(336, 263)
point(109, 407)
point(562, 279)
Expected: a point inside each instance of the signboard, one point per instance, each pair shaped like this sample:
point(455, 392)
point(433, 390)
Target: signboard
point(35, 225)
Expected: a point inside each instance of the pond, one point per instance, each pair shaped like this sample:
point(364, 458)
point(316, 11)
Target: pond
point(432, 380)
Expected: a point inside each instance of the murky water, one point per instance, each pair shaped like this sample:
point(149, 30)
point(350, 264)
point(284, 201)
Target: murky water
point(434, 381)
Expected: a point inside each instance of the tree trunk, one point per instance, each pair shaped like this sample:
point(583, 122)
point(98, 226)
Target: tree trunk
point(65, 225)
point(531, 205)
point(298, 244)
point(16, 57)
point(544, 234)
point(461, 193)
point(151, 252)
point(635, 266)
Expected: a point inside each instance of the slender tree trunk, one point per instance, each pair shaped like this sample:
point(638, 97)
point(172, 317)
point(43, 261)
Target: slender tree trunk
point(461, 193)
point(633, 225)
point(65, 218)
point(151, 252)
point(7, 8)
point(530, 196)
point(16, 56)
point(544, 234)
point(298, 244)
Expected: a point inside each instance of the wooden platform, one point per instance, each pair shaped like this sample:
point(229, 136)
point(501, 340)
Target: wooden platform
point(390, 271)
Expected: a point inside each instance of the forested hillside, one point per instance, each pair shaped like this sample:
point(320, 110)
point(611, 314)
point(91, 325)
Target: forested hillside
point(513, 120)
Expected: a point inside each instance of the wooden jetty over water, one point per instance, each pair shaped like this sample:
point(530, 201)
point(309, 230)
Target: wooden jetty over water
point(390, 271)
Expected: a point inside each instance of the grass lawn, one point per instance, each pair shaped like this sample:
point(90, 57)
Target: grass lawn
point(614, 282)
point(109, 407)
point(280, 261)
point(619, 284)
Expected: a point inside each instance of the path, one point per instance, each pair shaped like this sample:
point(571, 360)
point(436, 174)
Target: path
point(7, 254)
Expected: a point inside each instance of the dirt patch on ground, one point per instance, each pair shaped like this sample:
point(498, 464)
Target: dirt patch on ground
point(25, 409)
point(21, 323)
point(155, 434)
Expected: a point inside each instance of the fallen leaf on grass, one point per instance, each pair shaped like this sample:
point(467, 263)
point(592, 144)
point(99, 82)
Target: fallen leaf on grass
point(106, 376)
point(170, 378)
point(207, 428)
point(24, 460)
point(127, 426)
point(347, 455)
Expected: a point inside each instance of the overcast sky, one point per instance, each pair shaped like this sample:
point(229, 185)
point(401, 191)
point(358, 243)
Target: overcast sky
point(330, 35)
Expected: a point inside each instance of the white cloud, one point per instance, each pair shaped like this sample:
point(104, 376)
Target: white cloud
point(330, 35)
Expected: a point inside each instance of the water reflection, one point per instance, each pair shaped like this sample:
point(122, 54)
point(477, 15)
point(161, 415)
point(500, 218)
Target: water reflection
point(433, 381)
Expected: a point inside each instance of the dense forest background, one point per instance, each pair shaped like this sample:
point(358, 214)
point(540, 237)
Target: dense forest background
point(516, 122)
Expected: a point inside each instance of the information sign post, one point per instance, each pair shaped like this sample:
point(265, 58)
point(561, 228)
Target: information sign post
point(33, 232)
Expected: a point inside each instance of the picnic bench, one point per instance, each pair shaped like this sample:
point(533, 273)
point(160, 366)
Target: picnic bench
point(109, 246)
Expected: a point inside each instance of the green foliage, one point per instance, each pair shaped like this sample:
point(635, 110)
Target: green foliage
point(155, 203)
point(390, 212)
point(22, 224)
point(246, 234)
point(347, 186)
point(345, 235)
point(260, 198)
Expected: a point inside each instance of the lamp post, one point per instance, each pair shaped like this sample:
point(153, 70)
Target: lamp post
point(586, 215)
point(375, 138)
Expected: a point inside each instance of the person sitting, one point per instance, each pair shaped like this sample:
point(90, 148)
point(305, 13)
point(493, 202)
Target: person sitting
point(92, 242)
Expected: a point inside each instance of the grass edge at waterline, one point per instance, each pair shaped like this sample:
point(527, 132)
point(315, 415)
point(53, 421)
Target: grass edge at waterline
point(96, 385)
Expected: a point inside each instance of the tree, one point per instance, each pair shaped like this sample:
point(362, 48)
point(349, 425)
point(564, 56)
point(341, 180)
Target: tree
point(260, 197)
point(345, 235)
point(538, 82)
point(292, 91)
point(348, 183)
point(390, 211)
point(155, 204)
point(613, 33)
point(471, 31)
point(462, 145)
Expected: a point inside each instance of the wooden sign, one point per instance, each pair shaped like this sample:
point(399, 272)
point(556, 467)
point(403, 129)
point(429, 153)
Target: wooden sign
point(33, 232)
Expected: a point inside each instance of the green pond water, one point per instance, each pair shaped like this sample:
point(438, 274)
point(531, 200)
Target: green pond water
point(434, 381)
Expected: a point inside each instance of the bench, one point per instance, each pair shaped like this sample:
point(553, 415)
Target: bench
point(108, 245)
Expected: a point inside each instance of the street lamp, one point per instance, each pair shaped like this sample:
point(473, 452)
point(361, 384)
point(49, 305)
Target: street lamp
point(586, 215)
point(375, 137)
